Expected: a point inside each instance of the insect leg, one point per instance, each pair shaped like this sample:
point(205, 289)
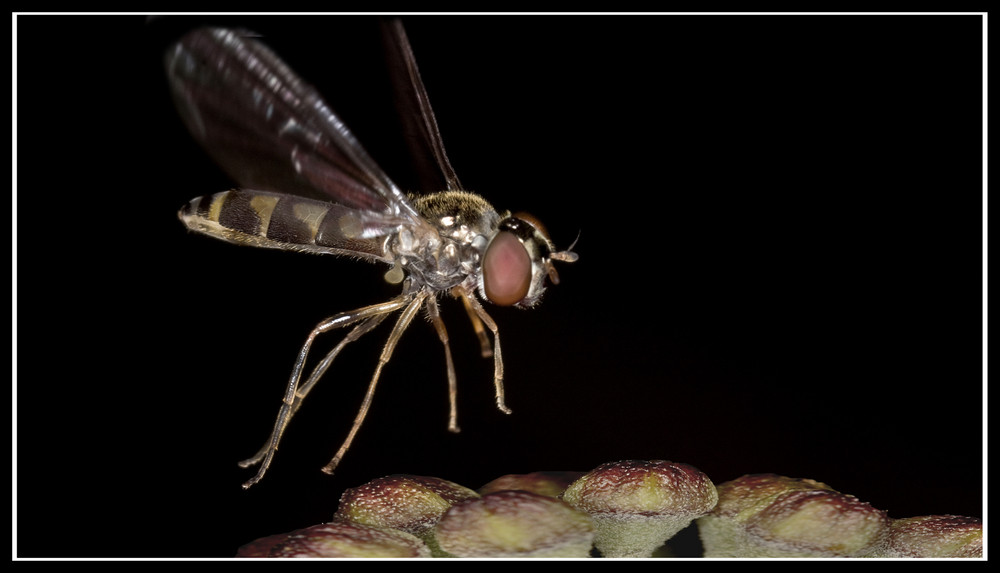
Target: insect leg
point(480, 312)
point(337, 321)
point(321, 368)
point(477, 325)
point(390, 345)
point(317, 373)
point(432, 310)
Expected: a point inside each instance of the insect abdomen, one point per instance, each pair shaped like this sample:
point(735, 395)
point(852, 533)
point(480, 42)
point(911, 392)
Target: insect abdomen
point(274, 220)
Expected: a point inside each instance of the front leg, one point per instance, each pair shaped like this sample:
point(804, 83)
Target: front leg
point(480, 312)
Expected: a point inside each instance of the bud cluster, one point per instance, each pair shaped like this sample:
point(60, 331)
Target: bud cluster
point(620, 509)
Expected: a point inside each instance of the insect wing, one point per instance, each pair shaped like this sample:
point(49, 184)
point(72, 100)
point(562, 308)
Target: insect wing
point(273, 132)
point(416, 113)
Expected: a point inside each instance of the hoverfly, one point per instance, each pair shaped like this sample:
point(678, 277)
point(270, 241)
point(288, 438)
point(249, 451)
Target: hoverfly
point(307, 185)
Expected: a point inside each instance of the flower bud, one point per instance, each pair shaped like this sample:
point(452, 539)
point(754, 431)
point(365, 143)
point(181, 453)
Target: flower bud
point(337, 539)
point(766, 515)
point(409, 503)
point(638, 505)
point(935, 536)
point(551, 484)
point(515, 524)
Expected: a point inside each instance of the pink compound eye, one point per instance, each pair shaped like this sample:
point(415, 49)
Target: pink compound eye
point(506, 270)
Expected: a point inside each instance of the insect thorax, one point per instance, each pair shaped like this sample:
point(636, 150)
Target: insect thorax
point(465, 224)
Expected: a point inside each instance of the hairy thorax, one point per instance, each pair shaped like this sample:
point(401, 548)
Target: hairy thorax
point(450, 254)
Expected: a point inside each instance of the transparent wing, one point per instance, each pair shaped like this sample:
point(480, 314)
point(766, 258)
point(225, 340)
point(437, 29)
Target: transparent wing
point(273, 132)
point(416, 113)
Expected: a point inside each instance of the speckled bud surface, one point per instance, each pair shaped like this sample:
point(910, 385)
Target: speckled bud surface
point(337, 539)
point(515, 524)
point(638, 505)
point(552, 484)
point(766, 515)
point(935, 536)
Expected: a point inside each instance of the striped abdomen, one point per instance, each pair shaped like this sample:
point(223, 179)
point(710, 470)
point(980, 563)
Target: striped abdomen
point(279, 221)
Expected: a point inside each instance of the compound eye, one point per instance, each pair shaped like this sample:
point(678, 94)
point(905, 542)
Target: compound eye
point(506, 270)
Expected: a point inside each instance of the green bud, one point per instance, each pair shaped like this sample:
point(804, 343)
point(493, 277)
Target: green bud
point(515, 524)
point(935, 536)
point(638, 505)
point(409, 503)
point(551, 484)
point(766, 515)
point(337, 539)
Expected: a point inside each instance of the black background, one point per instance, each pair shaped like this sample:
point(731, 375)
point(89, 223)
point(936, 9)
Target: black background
point(780, 240)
